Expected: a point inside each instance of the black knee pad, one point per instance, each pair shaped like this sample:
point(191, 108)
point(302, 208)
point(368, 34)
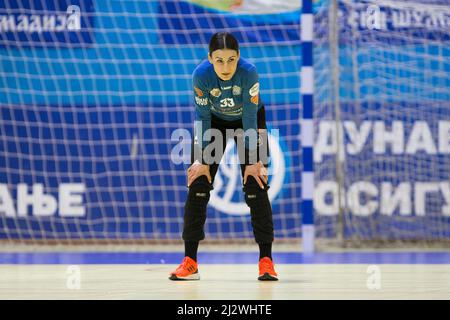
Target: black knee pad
point(261, 211)
point(195, 209)
point(198, 196)
point(255, 197)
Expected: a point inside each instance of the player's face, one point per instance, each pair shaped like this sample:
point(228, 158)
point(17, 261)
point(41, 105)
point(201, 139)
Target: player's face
point(224, 62)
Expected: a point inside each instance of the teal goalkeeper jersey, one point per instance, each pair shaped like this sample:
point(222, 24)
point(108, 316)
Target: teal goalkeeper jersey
point(234, 99)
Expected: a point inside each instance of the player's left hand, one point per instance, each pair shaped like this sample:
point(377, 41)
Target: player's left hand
point(257, 171)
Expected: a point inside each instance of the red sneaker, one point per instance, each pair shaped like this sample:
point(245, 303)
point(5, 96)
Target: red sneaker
point(187, 270)
point(267, 270)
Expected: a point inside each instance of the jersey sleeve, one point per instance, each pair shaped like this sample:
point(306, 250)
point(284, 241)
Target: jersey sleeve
point(250, 95)
point(202, 117)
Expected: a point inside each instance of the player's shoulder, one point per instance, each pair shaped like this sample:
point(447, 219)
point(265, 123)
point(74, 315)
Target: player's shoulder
point(247, 72)
point(246, 67)
point(203, 71)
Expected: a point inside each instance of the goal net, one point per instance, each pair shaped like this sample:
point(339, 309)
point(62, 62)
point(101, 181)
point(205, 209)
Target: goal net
point(97, 100)
point(97, 111)
point(382, 121)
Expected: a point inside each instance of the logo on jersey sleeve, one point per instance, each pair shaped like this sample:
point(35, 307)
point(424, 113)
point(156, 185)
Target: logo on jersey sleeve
point(215, 92)
point(198, 92)
point(254, 90)
point(201, 101)
point(254, 93)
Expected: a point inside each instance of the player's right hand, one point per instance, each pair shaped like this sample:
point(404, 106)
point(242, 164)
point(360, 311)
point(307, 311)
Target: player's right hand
point(197, 170)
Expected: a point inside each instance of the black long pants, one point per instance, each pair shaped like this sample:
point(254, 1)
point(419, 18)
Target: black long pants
point(256, 198)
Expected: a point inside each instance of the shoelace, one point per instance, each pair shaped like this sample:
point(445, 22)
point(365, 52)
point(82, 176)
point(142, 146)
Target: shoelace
point(184, 265)
point(268, 265)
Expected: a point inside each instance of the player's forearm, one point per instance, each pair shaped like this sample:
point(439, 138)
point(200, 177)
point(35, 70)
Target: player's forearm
point(250, 138)
point(201, 138)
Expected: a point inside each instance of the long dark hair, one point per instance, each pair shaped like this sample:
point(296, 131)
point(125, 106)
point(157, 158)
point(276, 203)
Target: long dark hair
point(223, 40)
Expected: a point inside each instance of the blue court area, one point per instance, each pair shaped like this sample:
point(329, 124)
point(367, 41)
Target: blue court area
point(225, 258)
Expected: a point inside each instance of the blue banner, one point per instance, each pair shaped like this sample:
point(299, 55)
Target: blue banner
point(395, 163)
point(45, 23)
point(85, 135)
point(183, 22)
point(394, 22)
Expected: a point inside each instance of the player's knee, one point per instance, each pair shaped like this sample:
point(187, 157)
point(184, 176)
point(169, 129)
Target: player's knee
point(202, 180)
point(198, 196)
point(255, 197)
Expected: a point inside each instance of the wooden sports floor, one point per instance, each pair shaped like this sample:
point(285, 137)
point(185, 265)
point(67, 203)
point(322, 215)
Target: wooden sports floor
point(225, 276)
